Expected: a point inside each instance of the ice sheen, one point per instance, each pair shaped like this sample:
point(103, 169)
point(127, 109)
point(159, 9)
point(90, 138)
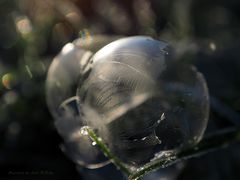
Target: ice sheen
point(133, 82)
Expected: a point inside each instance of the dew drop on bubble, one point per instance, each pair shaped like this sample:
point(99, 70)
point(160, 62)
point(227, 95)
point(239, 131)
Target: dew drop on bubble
point(137, 98)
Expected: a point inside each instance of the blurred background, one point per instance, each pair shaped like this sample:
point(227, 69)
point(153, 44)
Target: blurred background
point(204, 33)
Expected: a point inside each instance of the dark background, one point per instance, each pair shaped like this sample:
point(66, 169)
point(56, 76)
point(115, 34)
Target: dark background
point(205, 33)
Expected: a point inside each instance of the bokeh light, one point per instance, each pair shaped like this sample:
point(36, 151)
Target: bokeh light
point(23, 25)
point(32, 32)
point(8, 80)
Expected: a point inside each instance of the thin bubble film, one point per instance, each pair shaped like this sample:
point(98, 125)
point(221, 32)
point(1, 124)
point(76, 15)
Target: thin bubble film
point(141, 101)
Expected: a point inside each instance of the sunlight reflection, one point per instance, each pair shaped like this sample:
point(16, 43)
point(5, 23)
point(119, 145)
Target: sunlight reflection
point(67, 48)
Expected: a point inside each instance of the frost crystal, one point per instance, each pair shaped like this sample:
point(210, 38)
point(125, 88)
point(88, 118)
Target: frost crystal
point(142, 101)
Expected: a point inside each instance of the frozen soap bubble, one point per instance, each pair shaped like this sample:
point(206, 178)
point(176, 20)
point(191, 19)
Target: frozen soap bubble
point(141, 101)
point(70, 65)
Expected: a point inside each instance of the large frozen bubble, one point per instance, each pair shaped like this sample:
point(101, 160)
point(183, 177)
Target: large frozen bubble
point(141, 101)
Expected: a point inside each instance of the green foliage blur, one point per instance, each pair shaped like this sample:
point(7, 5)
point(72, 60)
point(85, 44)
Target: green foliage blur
point(204, 33)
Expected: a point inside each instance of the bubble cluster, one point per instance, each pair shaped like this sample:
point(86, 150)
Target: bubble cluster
point(134, 94)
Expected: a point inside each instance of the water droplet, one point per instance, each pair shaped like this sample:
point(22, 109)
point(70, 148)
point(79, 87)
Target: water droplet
point(94, 143)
